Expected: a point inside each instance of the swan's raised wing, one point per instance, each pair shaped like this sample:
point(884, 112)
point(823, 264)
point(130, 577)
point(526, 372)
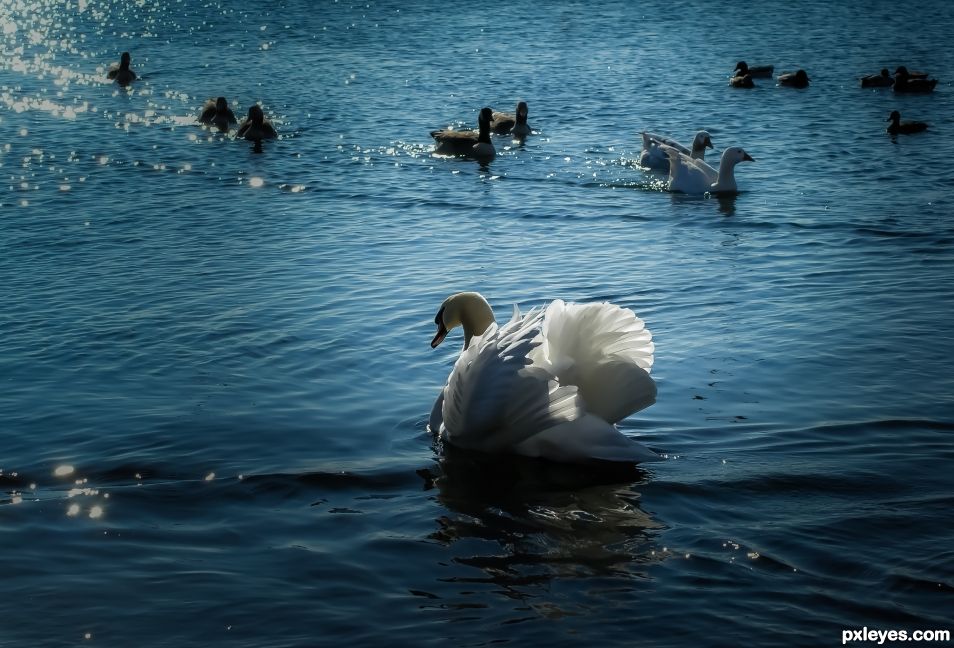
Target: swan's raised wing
point(496, 396)
point(606, 351)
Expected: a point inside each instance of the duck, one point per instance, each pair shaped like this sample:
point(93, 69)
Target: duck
point(255, 127)
point(883, 80)
point(514, 123)
point(468, 143)
point(121, 73)
point(742, 81)
point(797, 79)
point(904, 127)
point(696, 177)
point(653, 157)
point(551, 383)
point(765, 71)
point(216, 112)
point(904, 81)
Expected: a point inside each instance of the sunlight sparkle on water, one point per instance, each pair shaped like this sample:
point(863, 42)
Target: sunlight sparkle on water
point(96, 512)
point(63, 471)
point(256, 182)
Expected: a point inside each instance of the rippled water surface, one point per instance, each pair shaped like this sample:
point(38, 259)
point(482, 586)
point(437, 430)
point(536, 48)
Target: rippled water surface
point(215, 365)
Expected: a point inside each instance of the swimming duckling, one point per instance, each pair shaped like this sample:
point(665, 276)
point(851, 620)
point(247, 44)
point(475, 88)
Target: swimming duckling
point(216, 112)
point(744, 81)
point(904, 127)
point(255, 127)
point(121, 73)
point(794, 79)
point(742, 68)
point(468, 143)
point(514, 123)
point(904, 81)
point(883, 80)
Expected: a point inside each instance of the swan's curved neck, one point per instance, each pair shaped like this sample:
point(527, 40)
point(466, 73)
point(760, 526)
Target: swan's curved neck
point(726, 173)
point(472, 312)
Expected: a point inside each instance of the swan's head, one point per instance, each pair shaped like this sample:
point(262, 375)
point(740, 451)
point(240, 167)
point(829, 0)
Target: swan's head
point(895, 116)
point(736, 154)
point(522, 110)
point(221, 104)
point(701, 141)
point(124, 60)
point(467, 309)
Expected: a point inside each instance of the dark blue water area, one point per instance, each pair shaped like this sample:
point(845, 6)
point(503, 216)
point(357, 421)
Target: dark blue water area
point(215, 371)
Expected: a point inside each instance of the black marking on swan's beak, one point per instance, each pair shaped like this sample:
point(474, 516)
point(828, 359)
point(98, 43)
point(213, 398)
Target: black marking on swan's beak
point(746, 156)
point(441, 329)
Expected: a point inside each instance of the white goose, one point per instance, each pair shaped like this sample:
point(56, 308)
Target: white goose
point(696, 177)
point(550, 383)
point(654, 158)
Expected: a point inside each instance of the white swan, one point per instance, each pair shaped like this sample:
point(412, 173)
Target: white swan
point(696, 177)
point(654, 158)
point(550, 383)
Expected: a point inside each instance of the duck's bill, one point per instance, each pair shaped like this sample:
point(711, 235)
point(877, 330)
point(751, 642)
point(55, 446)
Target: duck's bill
point(746, 156)
point(439, 337)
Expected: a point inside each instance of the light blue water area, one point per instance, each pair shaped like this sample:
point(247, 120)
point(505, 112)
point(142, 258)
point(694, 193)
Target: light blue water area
point(215, 372)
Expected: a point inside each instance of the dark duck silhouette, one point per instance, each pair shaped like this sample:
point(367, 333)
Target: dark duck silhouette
point(514, 123)
point(904, 81)
point(216, 112)
point(121, 73)
point(468, 143)
point(797, 79)
point(904, 127)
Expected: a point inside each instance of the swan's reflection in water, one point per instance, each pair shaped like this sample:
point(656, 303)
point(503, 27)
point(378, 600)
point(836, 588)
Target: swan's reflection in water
point(534, 521)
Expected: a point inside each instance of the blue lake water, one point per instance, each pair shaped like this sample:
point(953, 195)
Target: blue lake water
point(215, 366)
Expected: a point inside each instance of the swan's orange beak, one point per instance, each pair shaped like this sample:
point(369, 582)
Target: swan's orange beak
point(439, 337)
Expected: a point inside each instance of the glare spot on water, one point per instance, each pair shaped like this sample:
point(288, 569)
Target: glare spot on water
point(24, 132)
point(73, 510)
point(65, 187)
point(256, 182)
point(16, 499)
point(210, 476)
point(63, 471)
point(96, 512)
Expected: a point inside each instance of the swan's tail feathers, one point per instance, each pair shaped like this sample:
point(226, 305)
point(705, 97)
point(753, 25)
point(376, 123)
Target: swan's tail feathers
point(607, 352)
point(585, 438)
point(615, 389)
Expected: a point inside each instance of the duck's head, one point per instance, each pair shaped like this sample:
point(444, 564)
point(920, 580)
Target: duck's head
point(902, 70)
point(736, 154)
point(885, 73)
point(522, 110)
point(467, 309)
point(124, 60)
point(801, 77)
point(701, 141)
point(741, 68)
point(221, 104)
point(895, 116)
point(485, 117)
point(255, 114)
